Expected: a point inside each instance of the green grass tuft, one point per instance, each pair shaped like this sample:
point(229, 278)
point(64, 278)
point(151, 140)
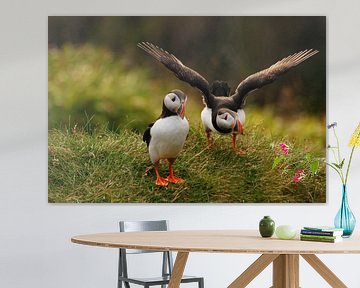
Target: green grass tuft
point(102, 166)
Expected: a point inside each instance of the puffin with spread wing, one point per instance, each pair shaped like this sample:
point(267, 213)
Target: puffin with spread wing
point(224, 113)
point(165, 137)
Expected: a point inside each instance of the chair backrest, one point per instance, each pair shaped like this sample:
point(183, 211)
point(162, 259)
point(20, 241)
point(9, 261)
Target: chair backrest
point(134, 226)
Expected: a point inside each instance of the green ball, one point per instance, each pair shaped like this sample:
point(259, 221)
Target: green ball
point(285, 232)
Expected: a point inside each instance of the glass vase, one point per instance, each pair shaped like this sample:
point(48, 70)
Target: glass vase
point(345, 219)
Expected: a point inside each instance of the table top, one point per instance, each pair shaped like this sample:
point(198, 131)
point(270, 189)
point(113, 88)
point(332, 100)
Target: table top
point(217, 241)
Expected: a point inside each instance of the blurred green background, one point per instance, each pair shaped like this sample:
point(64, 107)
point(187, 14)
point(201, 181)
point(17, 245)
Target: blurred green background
point(97, 72)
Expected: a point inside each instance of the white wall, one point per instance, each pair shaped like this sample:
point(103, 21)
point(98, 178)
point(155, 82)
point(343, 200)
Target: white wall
point(35, 248)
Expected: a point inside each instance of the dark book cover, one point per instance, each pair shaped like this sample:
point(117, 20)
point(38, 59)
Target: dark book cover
point(321, 233)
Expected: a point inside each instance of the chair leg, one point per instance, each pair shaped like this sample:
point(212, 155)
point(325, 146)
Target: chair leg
point(201, 283)
point(126, 284)
point(119, 270)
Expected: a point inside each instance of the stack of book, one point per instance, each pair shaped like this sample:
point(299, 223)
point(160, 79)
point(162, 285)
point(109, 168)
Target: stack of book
point(321, 234)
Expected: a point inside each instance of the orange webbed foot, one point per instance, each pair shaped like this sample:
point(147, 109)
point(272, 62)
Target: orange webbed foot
point(160, 181)
point(174, 179)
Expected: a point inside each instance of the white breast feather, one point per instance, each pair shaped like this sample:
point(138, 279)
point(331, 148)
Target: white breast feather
point(168, 136)
point(241, 114)
point(206, 119)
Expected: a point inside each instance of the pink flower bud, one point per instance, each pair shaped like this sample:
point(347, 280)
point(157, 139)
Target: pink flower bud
point(284, 148)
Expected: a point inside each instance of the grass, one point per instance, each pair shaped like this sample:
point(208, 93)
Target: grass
point(102, 166)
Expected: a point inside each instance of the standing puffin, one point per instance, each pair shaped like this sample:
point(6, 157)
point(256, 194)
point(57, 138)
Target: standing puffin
point(165, 137)
point(217, 96)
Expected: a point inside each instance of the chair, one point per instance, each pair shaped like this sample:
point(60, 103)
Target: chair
point(167, 262)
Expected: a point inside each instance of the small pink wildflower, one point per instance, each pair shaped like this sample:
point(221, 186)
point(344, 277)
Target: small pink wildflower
point(284, 148)
point(299, 174)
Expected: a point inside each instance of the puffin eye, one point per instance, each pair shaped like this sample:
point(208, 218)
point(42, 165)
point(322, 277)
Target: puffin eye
point(226, 117)
point(173, 99)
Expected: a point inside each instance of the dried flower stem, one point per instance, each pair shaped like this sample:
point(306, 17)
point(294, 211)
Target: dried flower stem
point(337, 144)
point(338, 166)
point(351, 155)
point(337, 171)
point(337, 159)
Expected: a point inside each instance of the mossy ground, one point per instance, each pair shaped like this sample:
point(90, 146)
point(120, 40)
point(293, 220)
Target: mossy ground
point(104, 166)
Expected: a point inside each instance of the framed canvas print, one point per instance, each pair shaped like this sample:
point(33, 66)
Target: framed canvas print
point(187, 109)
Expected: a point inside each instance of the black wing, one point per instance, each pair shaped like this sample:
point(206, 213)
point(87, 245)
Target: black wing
point(147, 134)
point(269, 75)
point(180, 70)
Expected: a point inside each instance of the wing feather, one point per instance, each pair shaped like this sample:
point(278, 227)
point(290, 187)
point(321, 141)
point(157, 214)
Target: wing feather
point(147, 134)
point(269, 75)
point(178, 68)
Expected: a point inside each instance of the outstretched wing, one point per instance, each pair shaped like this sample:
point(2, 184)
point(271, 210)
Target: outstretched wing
point(180, 70)
point(269, 75)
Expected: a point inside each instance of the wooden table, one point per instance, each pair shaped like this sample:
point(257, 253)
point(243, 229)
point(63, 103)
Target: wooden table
point(284, 254)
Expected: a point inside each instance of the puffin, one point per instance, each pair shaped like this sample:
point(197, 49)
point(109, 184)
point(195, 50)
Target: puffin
point(165, 137)
point(217, 96)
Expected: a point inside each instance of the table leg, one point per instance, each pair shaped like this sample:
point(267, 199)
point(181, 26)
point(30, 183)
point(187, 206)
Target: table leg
point(286, 271)
point(178, 269)
point(253, 270)
point(324, 271)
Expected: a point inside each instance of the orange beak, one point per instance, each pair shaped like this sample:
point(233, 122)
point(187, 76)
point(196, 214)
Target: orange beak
point(182, 111)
